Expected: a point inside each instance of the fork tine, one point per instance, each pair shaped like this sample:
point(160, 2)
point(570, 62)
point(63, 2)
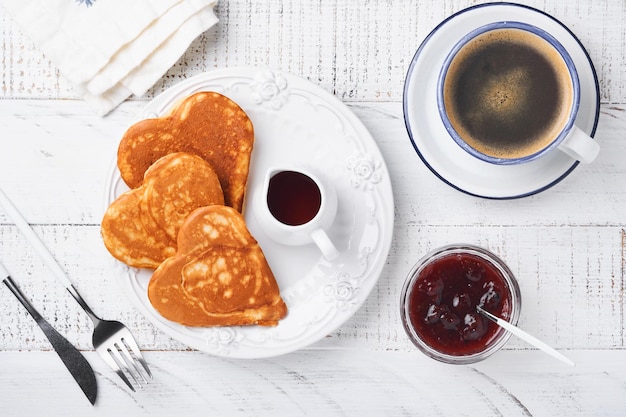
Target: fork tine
point(131, 361)
point(124, 362)
point(134, 348)
point(107, 356)
point(122, 367)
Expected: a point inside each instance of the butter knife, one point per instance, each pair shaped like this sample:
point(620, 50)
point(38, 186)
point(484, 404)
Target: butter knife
point(71, 357)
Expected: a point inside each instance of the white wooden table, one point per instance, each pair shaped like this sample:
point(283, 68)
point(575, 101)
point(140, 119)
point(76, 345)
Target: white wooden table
point(567, 245)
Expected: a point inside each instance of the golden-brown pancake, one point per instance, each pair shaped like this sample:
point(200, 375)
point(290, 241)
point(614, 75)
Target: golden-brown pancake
point(126, 237)
point(174, 186)
point(207, 124)
point(219, 275)
point(140, 226)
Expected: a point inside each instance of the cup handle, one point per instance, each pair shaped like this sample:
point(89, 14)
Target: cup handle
point(323, 242)
point(580, 146)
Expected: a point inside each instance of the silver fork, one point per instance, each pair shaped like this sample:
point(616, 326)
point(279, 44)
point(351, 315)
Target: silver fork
point(111, 339)
point(116, 346)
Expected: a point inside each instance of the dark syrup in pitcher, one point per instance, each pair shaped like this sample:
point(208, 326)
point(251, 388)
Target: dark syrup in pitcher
point(293, 198)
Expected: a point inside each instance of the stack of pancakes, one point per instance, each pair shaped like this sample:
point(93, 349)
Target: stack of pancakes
point(187, 173)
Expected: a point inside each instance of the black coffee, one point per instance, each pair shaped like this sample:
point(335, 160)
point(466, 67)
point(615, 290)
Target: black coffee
point(508, 93)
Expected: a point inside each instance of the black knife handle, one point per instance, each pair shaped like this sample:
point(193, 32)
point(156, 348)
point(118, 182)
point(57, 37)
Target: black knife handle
point(74, 361)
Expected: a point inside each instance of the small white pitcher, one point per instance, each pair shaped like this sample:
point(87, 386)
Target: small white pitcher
point(312, 230)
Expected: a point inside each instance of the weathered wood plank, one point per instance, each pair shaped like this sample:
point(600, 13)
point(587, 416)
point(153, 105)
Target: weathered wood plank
point(323, 382)
point(74, 150)
point(359, 51)
point(566, 274)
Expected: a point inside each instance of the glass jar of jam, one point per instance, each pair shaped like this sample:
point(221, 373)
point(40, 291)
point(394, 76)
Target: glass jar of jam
point(439, 299)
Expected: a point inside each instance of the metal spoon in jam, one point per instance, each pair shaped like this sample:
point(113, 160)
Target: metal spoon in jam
point(524, 336)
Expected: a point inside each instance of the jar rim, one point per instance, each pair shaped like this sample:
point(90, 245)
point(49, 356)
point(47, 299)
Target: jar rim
point(500, 338)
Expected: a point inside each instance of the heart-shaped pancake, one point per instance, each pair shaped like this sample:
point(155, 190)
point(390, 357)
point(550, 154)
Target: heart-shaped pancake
point(207, 124)
point(140, 227)
point(219, 275)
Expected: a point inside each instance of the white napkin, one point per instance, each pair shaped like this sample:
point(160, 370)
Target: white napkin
point(112, 48)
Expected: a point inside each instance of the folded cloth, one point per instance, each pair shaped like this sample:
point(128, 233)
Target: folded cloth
point(110, 49)
point(141, 78)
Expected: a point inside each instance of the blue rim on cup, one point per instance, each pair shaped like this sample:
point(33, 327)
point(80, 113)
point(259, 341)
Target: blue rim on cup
point(573, 76)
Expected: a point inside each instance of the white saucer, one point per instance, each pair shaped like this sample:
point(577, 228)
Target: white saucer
point(439, 151)
point(294, 120)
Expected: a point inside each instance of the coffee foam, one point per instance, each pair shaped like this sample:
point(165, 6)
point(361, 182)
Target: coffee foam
point(506, 94)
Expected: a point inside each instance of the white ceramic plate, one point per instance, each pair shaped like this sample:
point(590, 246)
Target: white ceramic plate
point(293, 120)
point(438, 150)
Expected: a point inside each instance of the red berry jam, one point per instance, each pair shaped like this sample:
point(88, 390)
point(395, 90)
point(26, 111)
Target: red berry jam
point(443, 293)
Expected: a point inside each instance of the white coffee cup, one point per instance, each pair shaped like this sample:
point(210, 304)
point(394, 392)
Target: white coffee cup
point(501, 108)
point(295, 206)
